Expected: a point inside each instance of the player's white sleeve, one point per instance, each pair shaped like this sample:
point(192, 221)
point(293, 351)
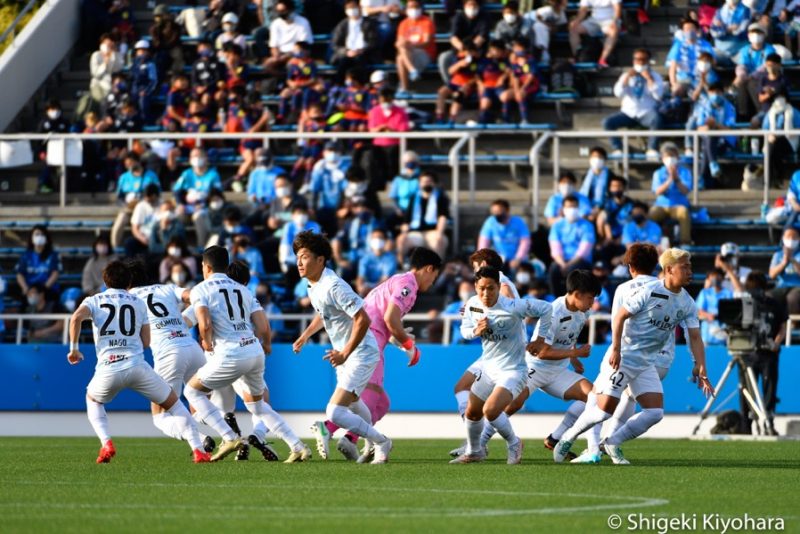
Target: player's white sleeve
point(535, 308)
point(345, 299)
point(636, 301)
point(189, 317)
point(468, 324)
point(692, 320)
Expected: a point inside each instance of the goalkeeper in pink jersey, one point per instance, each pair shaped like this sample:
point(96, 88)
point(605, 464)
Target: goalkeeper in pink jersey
point(386, 305)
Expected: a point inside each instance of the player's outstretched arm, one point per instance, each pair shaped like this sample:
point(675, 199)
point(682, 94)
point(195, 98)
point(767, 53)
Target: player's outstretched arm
point(314, 327)
point(699, 373)
point(80, 315)
point(547, 352)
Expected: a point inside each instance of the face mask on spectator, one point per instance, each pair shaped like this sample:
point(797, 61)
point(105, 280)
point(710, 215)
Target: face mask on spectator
point(39, 240)
point(198, 163)
point(510, 18)
point(101, 250)
point(216, 205)
point(53, 114)
point(300, 220)
point(410, 168)
point(377, 244)
point(703, 66)
point(471, 12)
point(330, 157)
point(104, 48)
point(355, 188)
point(206, 52)
point(33, 300)
point(175, 252)
point(353, 12)
point(566, 189)
point(617, 194)
point(282, 192)
point(571, 214)
point(228, 27)
point(501, 217)
point(639, 67)
point(715, 99)
point(229, 228)
point(670, 161)
point(414, 13)
point(638, 218)
point(427, 188)
point(790, 243)
point(285, 15)
point(596, 163)
point(691, 36)
point(523, 278)
point(779, 104)
point(733, 3)
point(756, 39)
point(386, 107)
point(178, 278)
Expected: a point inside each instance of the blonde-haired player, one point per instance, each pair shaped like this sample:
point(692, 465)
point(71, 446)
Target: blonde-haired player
point(640, 329)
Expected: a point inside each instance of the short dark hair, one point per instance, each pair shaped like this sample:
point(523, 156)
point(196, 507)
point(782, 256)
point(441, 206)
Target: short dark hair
point(502, 203)
point(232, 214)
point(355, 174)
point(617, 178)
point(717, 271)
point(152, 190)
point(689, 20)
point(583, 281)
point(138, 273)
point(497, 43)
point(488, 272)
point(570, 198)
point(430, 174)
point(315, 243)
point(239, 271)
point(512, 4)
point(387, 93)
point(568, 175)
point(488, 255)
point(641, 205)
point(756, 280)
point(643, 257)
point(600, 150)
point(644, 51)
point(39, 287)
point(217, 258)
point(520, 41)
point(303, 45)
point(774, 58)
point(116, 275)
point(421, 257)
point(716, 86)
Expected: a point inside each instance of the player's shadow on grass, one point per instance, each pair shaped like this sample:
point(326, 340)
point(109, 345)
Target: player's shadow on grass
point(721, 463)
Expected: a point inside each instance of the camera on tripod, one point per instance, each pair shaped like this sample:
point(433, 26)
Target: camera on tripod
point(746, 323)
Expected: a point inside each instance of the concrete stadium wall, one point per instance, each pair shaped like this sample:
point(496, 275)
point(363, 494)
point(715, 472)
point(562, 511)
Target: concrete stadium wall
point(38, 378)
point(36, 51)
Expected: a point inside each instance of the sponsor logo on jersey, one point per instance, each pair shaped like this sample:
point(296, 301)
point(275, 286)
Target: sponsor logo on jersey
point(565, 319)
point(476, 310)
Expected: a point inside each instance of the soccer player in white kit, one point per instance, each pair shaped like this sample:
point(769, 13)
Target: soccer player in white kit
point(355, 352)
point(233, 327)
point(497, 320)
point(121, 333)
point(645, 321)
point(548, 368)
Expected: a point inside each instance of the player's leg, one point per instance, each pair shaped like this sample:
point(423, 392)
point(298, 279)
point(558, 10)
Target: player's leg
point(625, 410)
point(513, 407)
point(462, 392)
point(101, 390)
point(166, 366)
point(572, 386)
point(494, 411)
point(378, 403)
point(217, 373)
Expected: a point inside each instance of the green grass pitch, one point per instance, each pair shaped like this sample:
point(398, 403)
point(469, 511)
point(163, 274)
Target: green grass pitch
point(53, 485)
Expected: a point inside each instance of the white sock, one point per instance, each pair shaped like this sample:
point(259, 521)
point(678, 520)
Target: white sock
point(636, 425)
point(625, 410)
point(98, 419)
point(486, 435)
point(277, 423)
point(462, 398)
point(208, 413)
point(593, 439)
point(166, 424)
point(474, 429)
point(574, 411)
point(591, 416)
point(202, 427)
point(259, 429)
point(503, 426)
point(361, 410)
point(344, 418)
point(185, 425)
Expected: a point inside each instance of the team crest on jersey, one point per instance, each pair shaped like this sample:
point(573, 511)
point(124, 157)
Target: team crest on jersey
point(405, 292)
point(501, 324)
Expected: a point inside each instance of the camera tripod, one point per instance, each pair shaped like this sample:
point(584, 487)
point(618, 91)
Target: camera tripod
point(749, 390)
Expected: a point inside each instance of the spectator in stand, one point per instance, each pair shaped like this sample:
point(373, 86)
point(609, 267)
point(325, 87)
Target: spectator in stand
point(729, 29)
point(355, 41)
point(640, 229)
point(180, 276)
point(671, 185)
point(92, 275)
point(463, 82)
point(192, 188)
point(704, 76)
point(470, 25)
point(604, 22)
point(144, 78)
point(229, 34)
point(781, 116)
point(286, 29)
point(640, 89)
point(352, 102)
point(507, 234)
point(177, 252)
point(708, 307)
point(789, 18)
point(232, 226)
point(386, 117)
point(713, 112)
point(237, 73)
point(127, 119)
point(130, 188)
point(524, 81)
point(785, 270)
point(566, 187)
point(40, 263)
point(327, 186)
point(571, 242)
point(192, 18)
point(614, 214)
point(254, 119)
point(596, 182)
point(426, 219)
point(728, 261)
point(216, 207)
point(313, 122)
point(208, 73)
point(683, 57)
point(52, 122)
point(38, 302)
point(263, 295)
point(261, 183)
point(300, 223)
point(768, 82)
point(280, 209)
point(303, 86)
point(793, 201)
point(352, 241)
point(358, 186)
point(168, 227)
point(165, 36)
point(512, 26)
point(377, 265)
point(103, 64)
point(493, 77)
point(403, 187)
point(385, 14)
point(177, 108)
point(416, 44)
point(466, 290)
point(120, 90)
point(142, 222)
point(242, 250)
point(750, 61)
point(544, 21)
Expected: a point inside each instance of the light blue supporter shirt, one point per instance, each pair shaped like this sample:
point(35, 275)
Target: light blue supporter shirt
point(505, 238)
point(672, 197)
point(571, 235)
point(649, 233)
point(261, 183)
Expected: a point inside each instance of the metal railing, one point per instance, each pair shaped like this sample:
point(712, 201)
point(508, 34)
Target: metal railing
point(11, 31)
point(790, 322)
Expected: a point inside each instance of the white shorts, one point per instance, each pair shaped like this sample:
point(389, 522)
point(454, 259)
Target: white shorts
point(476, 368)
point(640, 381)
point(487, 381)
point(354, 374)
point(662, 374)
point(224, 398)
point(177, 367)
point(597, 28)
point(141, 378)
point(220, 372)
point(552, 380)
